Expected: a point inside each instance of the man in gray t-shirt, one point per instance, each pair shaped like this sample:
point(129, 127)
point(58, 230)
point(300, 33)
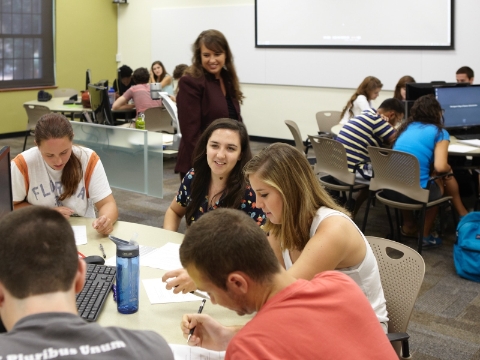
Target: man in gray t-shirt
point(40, 273)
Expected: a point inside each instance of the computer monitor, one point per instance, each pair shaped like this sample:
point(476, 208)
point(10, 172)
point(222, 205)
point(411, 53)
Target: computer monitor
point(6, 197)
point(461, 105)
point(100, 105)
point(88, 78)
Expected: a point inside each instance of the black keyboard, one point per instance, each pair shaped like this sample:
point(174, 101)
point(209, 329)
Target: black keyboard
point(468, 136)
point(98, 283)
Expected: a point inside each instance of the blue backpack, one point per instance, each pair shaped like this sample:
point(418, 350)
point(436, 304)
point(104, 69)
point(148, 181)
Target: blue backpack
point(466, 250)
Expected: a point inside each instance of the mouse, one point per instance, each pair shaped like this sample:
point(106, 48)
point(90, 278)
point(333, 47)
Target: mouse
point(94, 259)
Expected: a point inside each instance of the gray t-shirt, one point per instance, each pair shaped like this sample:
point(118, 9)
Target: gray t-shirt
point(65, 335)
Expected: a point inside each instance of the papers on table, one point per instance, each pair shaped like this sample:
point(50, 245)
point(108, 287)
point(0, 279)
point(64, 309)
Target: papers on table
point(80, 232)
point(165, 258)
point(474, 142)
point(460, 148)
point(185, 352)
point(158, 294)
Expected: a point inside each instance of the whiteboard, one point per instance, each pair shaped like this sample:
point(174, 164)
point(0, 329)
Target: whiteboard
point(173, 36)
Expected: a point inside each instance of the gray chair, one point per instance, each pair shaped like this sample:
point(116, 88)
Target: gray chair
point(158, 119)
point(301, 145)
point(332, 164)
point(34, 112)
point(401, 271)
point(326, 120)
point(400, 172)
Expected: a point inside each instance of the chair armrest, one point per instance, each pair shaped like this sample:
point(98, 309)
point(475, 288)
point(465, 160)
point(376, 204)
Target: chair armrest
point(359, 164)
point(397, 336)
point(443, 175)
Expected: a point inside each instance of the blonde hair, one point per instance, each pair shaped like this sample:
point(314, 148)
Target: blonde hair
point(286, 169)
point(369, 84)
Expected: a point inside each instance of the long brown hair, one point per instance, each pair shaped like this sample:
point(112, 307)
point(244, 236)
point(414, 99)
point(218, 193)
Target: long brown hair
point(162, 75)
point(214, 40)
point(369, 84)
point(56, 126)
point(286, 169)
point(401, 84)
point(236, 183)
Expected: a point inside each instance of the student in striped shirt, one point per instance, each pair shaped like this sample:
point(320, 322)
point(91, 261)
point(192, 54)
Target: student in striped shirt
point(370, 128)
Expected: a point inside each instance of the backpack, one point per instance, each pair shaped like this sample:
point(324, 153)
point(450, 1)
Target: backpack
point(466, 250)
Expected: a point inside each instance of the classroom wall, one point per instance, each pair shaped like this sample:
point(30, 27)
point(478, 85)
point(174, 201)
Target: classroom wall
point(267, 106)
point(85, 37)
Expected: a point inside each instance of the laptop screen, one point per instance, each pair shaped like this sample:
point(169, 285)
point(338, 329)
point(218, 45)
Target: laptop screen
point(461, 105)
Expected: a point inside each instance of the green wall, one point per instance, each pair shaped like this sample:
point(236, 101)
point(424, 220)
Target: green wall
point(85, 38)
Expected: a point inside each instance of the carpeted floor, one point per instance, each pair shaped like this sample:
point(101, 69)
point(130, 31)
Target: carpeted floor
point(445, 323)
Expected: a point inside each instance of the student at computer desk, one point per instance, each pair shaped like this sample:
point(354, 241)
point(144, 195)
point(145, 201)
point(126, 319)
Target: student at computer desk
point(326, 317)
point(63, 176)
point(124, 80)
point(400, 91)
point(423, 136)
point(209, 90)
point(158, 74)
point(39, 311)
point(308, 231)
point(140, 93)
point(361, 100)
point(465, 75)
point(215, 181)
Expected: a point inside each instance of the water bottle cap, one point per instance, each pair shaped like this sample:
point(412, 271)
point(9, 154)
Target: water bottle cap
point(128, 251)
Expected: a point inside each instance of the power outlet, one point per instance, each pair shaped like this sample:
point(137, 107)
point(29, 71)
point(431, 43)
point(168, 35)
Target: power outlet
point(118, 57)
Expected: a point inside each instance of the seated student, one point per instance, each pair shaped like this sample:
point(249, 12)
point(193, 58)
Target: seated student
point(400, 92)
point(126, 81)
point(177, 74)
point(140, 94)
point(39, 311)
point(465, 75)
point(215, 181)
point(361, 100)
point(158, 74)
point(308, 231)
point(370, 128)
point(423, 136)
point(66, 177)
point(327, 317)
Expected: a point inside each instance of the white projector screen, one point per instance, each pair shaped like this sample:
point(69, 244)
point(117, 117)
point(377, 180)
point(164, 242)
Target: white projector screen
point(423, 24)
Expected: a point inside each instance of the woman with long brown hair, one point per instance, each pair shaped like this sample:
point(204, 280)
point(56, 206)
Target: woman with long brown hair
point(66, 177)
point(158, 74)
point(361, 100)
point(208, 90)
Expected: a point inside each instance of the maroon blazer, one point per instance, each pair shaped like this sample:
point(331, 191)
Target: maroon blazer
point(200, 101)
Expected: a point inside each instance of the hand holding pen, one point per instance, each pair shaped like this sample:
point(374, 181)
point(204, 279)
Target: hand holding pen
point(200, 309)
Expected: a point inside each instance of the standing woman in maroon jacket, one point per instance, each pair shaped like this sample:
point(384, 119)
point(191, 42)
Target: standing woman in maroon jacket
point(208, 90)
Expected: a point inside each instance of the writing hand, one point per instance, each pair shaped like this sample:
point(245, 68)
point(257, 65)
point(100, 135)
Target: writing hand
point(208, 333)
point(103, 225)
point(180, 281)
point(65, 211)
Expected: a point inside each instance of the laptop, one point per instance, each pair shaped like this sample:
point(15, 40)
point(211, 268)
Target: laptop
point(461, 107)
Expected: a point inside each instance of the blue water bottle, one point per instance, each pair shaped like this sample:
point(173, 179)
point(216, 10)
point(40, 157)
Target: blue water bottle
point(111, 96)
point(128, 277)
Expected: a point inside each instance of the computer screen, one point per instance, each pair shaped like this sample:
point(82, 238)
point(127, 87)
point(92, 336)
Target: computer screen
point(6, 198)
point(461, 105)
point(100, 105)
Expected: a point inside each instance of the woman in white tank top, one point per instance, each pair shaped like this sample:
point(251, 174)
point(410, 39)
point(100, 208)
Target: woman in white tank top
point(308, 231)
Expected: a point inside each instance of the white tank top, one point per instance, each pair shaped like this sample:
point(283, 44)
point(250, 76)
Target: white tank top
point(365, 274)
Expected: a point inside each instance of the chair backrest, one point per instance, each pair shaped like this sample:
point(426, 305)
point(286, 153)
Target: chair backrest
point(327, 119)
point(158, 119)
point(62, 92)
point(401, 271)
point(331, 159)
point(35, 112)
point(398, 171)
point(297, 137)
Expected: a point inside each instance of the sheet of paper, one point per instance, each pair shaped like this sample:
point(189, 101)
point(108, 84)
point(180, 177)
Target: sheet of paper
point(80, 232)
point(185, 352)
point(460, 148)
point(474, 142)
point(166, 257)
point(158, 294)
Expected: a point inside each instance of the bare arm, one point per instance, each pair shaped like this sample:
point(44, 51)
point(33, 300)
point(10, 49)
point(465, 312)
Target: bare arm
point(337, 244)
point(173, 216)
point(20, 204)
point(107, 215)
point(167, 80)
point(122, 104)
point(440, 157)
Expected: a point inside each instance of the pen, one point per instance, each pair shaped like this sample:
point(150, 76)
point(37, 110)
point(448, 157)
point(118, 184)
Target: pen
point(103, 251)
point(200, 309)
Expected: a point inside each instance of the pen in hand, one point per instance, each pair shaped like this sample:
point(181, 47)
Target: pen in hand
point(200, 309)
point(103, 251)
